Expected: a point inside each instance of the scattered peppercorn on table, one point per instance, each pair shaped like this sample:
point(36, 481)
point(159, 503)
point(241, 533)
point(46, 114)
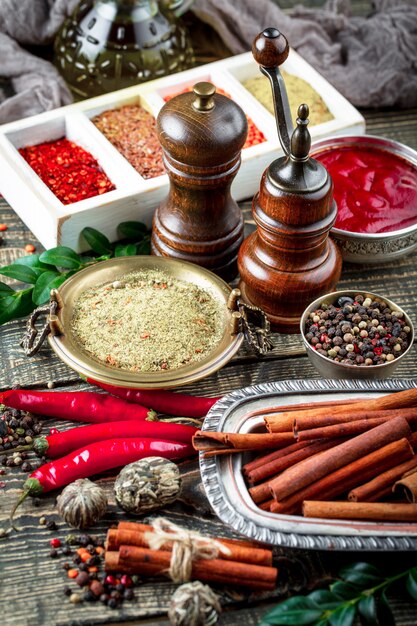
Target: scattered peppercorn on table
point(37, 565)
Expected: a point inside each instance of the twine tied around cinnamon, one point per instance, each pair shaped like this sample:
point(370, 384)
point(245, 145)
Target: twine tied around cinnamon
point(187, 547)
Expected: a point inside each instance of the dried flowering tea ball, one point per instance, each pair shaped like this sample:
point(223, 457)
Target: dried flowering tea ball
point(147, 485)
point(82, 503)
point(194, 604)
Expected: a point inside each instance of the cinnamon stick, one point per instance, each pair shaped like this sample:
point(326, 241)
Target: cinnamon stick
point(343, 429)
point(382, 511)
point(402, 399)
point(308, 422)
point(312, 469)
point(263, 459)
point(262, 492)
point(381, 485)
point(287, 424)
point(246, 543)
point(347, 477)
point(208, 570)
point(238, 551)
point(407, 487)
point(211, 441)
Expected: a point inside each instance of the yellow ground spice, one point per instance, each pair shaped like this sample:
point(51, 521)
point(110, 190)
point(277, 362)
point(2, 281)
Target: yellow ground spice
point(299, 91)
point(148, 321)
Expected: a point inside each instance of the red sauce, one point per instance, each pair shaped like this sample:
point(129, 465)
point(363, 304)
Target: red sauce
point(375, 191)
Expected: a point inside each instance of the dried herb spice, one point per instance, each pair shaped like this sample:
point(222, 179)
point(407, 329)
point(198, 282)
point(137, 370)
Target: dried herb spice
point(148, 321)
point(69, 171)
point(298, 91)
point(132, 131)
point(255, 136)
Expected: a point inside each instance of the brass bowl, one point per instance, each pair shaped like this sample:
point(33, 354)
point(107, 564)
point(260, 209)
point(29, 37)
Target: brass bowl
point(333, 369)
point(68, 349)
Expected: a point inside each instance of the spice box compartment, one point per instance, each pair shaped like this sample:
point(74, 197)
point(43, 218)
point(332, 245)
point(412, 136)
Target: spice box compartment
point(228, 494)
point(134, 197)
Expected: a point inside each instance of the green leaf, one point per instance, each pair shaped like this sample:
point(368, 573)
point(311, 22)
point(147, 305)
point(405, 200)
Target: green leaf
point(344, 616)
point(295, 611)
point(33, 261)
point(411, 583)
point(20, 305)
point(367, 608)
point(132, 230)
point(385, 615)
point(44, 284)
point(144, 247)
point(5, 290)
point(19, 272)
point(96, 240)
point(61, 256)
point(346, 591)
point(324, 599)
point(127, 250)
point(364, 575)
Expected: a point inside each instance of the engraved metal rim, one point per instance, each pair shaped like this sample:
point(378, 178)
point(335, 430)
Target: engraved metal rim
point(389, 145)
point(387, 367)
point(213, 479)
point(67, 349)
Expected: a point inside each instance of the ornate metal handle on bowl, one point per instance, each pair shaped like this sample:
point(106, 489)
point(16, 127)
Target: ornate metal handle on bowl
point(33, 338)
point(252, 321)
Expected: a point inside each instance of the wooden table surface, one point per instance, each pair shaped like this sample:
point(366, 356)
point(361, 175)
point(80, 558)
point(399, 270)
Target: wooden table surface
point(31, 584)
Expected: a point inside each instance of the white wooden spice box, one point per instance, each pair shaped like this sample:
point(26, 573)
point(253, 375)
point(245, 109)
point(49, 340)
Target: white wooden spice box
point(135, 198)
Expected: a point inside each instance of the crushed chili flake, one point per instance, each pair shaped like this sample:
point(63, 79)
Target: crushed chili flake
point(132, 131)
point(255, 136)
point(69, 171)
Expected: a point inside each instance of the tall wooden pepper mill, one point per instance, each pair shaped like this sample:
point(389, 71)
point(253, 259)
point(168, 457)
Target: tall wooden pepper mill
point(289, 260)
point(202, 134)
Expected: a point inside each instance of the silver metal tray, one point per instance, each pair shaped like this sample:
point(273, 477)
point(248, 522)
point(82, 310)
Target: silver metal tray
point(229, 497)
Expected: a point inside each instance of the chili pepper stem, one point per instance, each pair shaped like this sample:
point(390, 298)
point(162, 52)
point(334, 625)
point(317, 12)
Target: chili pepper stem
point(173, 420)
point(27, 448)
point(21, 499)
point(32, 487)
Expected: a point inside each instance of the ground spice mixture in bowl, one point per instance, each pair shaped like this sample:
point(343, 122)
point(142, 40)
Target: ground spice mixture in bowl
point(145, 322)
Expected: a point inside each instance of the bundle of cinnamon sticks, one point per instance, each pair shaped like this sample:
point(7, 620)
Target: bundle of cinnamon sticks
point(360, 450)
point(244, 563)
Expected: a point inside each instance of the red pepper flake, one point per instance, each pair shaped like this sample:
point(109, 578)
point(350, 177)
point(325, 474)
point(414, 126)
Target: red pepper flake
point(111, 360)
point(255, 136)
point(145, 336)
point(70, 172)
point(164, 366)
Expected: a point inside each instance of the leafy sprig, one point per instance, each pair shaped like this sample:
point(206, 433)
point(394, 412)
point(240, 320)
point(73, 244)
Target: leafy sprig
point(51, 268)
point(360, 590)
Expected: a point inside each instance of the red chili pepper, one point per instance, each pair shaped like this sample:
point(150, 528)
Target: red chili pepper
point(77, 406)
point(61, 443)
point(95, 459)
point(163, 401)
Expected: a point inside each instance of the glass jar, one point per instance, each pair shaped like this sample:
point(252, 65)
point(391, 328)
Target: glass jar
point(106, 45)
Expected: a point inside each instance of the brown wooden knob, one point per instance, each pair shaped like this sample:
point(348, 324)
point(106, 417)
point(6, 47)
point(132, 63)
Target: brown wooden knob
point(270, 48)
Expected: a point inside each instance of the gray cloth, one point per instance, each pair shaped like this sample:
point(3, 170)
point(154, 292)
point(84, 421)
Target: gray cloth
point(37, 85)
point(372, 61)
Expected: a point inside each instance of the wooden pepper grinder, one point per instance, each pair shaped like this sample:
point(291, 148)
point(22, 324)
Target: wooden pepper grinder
point(289, 260)
point(202, 134)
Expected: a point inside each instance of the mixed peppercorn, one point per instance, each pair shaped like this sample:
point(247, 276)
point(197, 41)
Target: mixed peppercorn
point(85, 569)
point(358, 331)
point(68, 170)
point(17, 429)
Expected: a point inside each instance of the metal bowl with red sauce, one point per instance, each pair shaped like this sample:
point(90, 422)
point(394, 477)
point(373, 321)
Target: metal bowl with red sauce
point(375, 188)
